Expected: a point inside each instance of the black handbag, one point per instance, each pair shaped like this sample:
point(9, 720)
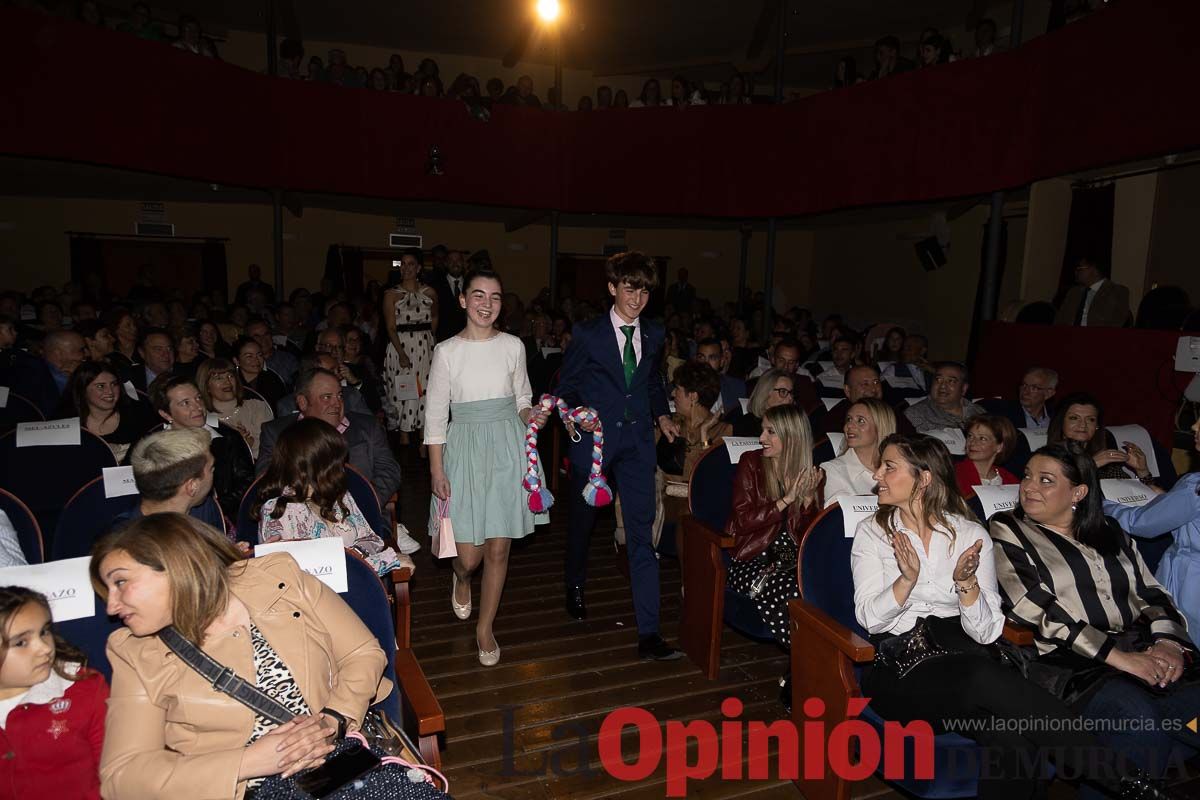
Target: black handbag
point(781, 556)
point(386, 775)
point(1075, 679)
point(930, 638)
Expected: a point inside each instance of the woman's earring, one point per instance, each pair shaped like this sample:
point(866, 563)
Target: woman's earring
point(1073, 506)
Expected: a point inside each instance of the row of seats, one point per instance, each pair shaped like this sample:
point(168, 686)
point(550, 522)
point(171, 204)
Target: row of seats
point(60, 489)
point(835, 647)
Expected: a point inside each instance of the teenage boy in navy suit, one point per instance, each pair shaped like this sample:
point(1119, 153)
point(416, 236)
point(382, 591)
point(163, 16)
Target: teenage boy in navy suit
point(612, 365)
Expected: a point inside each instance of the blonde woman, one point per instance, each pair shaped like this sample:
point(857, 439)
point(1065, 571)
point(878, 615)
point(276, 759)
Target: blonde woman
point(868, 422)
point(776, 494)
point(774, 388)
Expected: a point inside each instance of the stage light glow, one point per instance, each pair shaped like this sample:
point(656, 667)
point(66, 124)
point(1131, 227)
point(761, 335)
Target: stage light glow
point(548, 10)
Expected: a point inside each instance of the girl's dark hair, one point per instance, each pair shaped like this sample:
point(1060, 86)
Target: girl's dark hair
point(242, 341)
point(12, 600)
point(309, 463)
point(74, 402)
point(1088, 522)
point(481, 273)
point(1054, 432)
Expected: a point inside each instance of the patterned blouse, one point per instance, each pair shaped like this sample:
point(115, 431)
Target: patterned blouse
point(1073, 596)
point(274, 679)
point(304, 521)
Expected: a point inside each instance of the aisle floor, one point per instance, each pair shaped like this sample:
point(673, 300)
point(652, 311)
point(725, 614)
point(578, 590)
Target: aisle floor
point(519, 729)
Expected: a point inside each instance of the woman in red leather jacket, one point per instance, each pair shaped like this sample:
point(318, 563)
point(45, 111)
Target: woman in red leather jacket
point(776, 494)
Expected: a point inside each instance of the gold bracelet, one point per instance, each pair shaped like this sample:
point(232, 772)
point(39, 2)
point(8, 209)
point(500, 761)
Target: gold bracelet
point(960, 590)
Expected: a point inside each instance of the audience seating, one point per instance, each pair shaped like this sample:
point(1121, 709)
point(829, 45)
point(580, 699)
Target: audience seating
point(364, 494)
point(411, 703)
point(29, 533)
point(19, 409)
point(90, 634)
point(704, 556)
point(823, 451)
point(46, 477)
point(835, 648)
point(360, 489)
point(245, 529)
point(254, 394)
point(86, 517)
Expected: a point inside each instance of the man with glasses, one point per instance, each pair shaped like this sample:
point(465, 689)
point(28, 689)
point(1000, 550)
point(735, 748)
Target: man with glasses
point(1033, 409)
point(785, 357)
point(947, 405)
point(281, 362)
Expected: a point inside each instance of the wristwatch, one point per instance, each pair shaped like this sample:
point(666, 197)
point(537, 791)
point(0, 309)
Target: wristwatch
point(341, 721)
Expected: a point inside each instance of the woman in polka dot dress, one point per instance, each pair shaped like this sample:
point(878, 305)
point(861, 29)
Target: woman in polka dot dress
point(410, 328)
point(776, 495)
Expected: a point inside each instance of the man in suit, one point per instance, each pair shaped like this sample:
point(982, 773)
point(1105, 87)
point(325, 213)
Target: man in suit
point(42, 381)
point(1095, 301)
point(254, 273)
point(681, 295)
point(1033, 410)
point(319, 394)
point(279, 361)
point(708, 351)
point(157, 351)
point(612, 366)
point(352, 399)
point(913, 364)
point(860, 383)
point(785, 356)
point(448, 285)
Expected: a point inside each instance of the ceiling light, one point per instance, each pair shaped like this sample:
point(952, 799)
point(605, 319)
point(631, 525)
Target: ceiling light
point(548, 10)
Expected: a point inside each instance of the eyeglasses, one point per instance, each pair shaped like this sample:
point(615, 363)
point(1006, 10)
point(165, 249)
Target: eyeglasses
point(1033, 387)
point(220, 376)
point(782, 392)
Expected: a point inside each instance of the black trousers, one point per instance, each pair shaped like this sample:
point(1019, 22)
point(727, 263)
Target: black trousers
point(976, 696)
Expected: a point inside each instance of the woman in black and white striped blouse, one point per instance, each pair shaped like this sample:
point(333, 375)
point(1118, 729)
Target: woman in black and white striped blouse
point(1110, 640)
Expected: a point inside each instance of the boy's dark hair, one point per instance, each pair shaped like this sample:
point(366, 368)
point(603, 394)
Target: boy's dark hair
point(634, 268)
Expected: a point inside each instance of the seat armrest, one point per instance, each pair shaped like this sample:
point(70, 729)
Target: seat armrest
point(812, 619)
point(695, 527)
point(422, 712)
point(1017, 634)
point(403, 605)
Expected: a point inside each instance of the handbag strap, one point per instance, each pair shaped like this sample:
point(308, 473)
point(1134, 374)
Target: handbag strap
point(223, 678)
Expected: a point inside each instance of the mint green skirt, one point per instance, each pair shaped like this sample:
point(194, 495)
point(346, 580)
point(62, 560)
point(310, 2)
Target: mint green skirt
point(484, 460)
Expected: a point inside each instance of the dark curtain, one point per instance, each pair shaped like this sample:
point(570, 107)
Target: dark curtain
point(1089, 232)
point(352, 271)
point(86, 259)
point(214, 266)
point(333, 266)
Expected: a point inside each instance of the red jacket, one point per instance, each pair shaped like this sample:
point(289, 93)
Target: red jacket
point(755, 521)
point(50, 744)
point(968, 477)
